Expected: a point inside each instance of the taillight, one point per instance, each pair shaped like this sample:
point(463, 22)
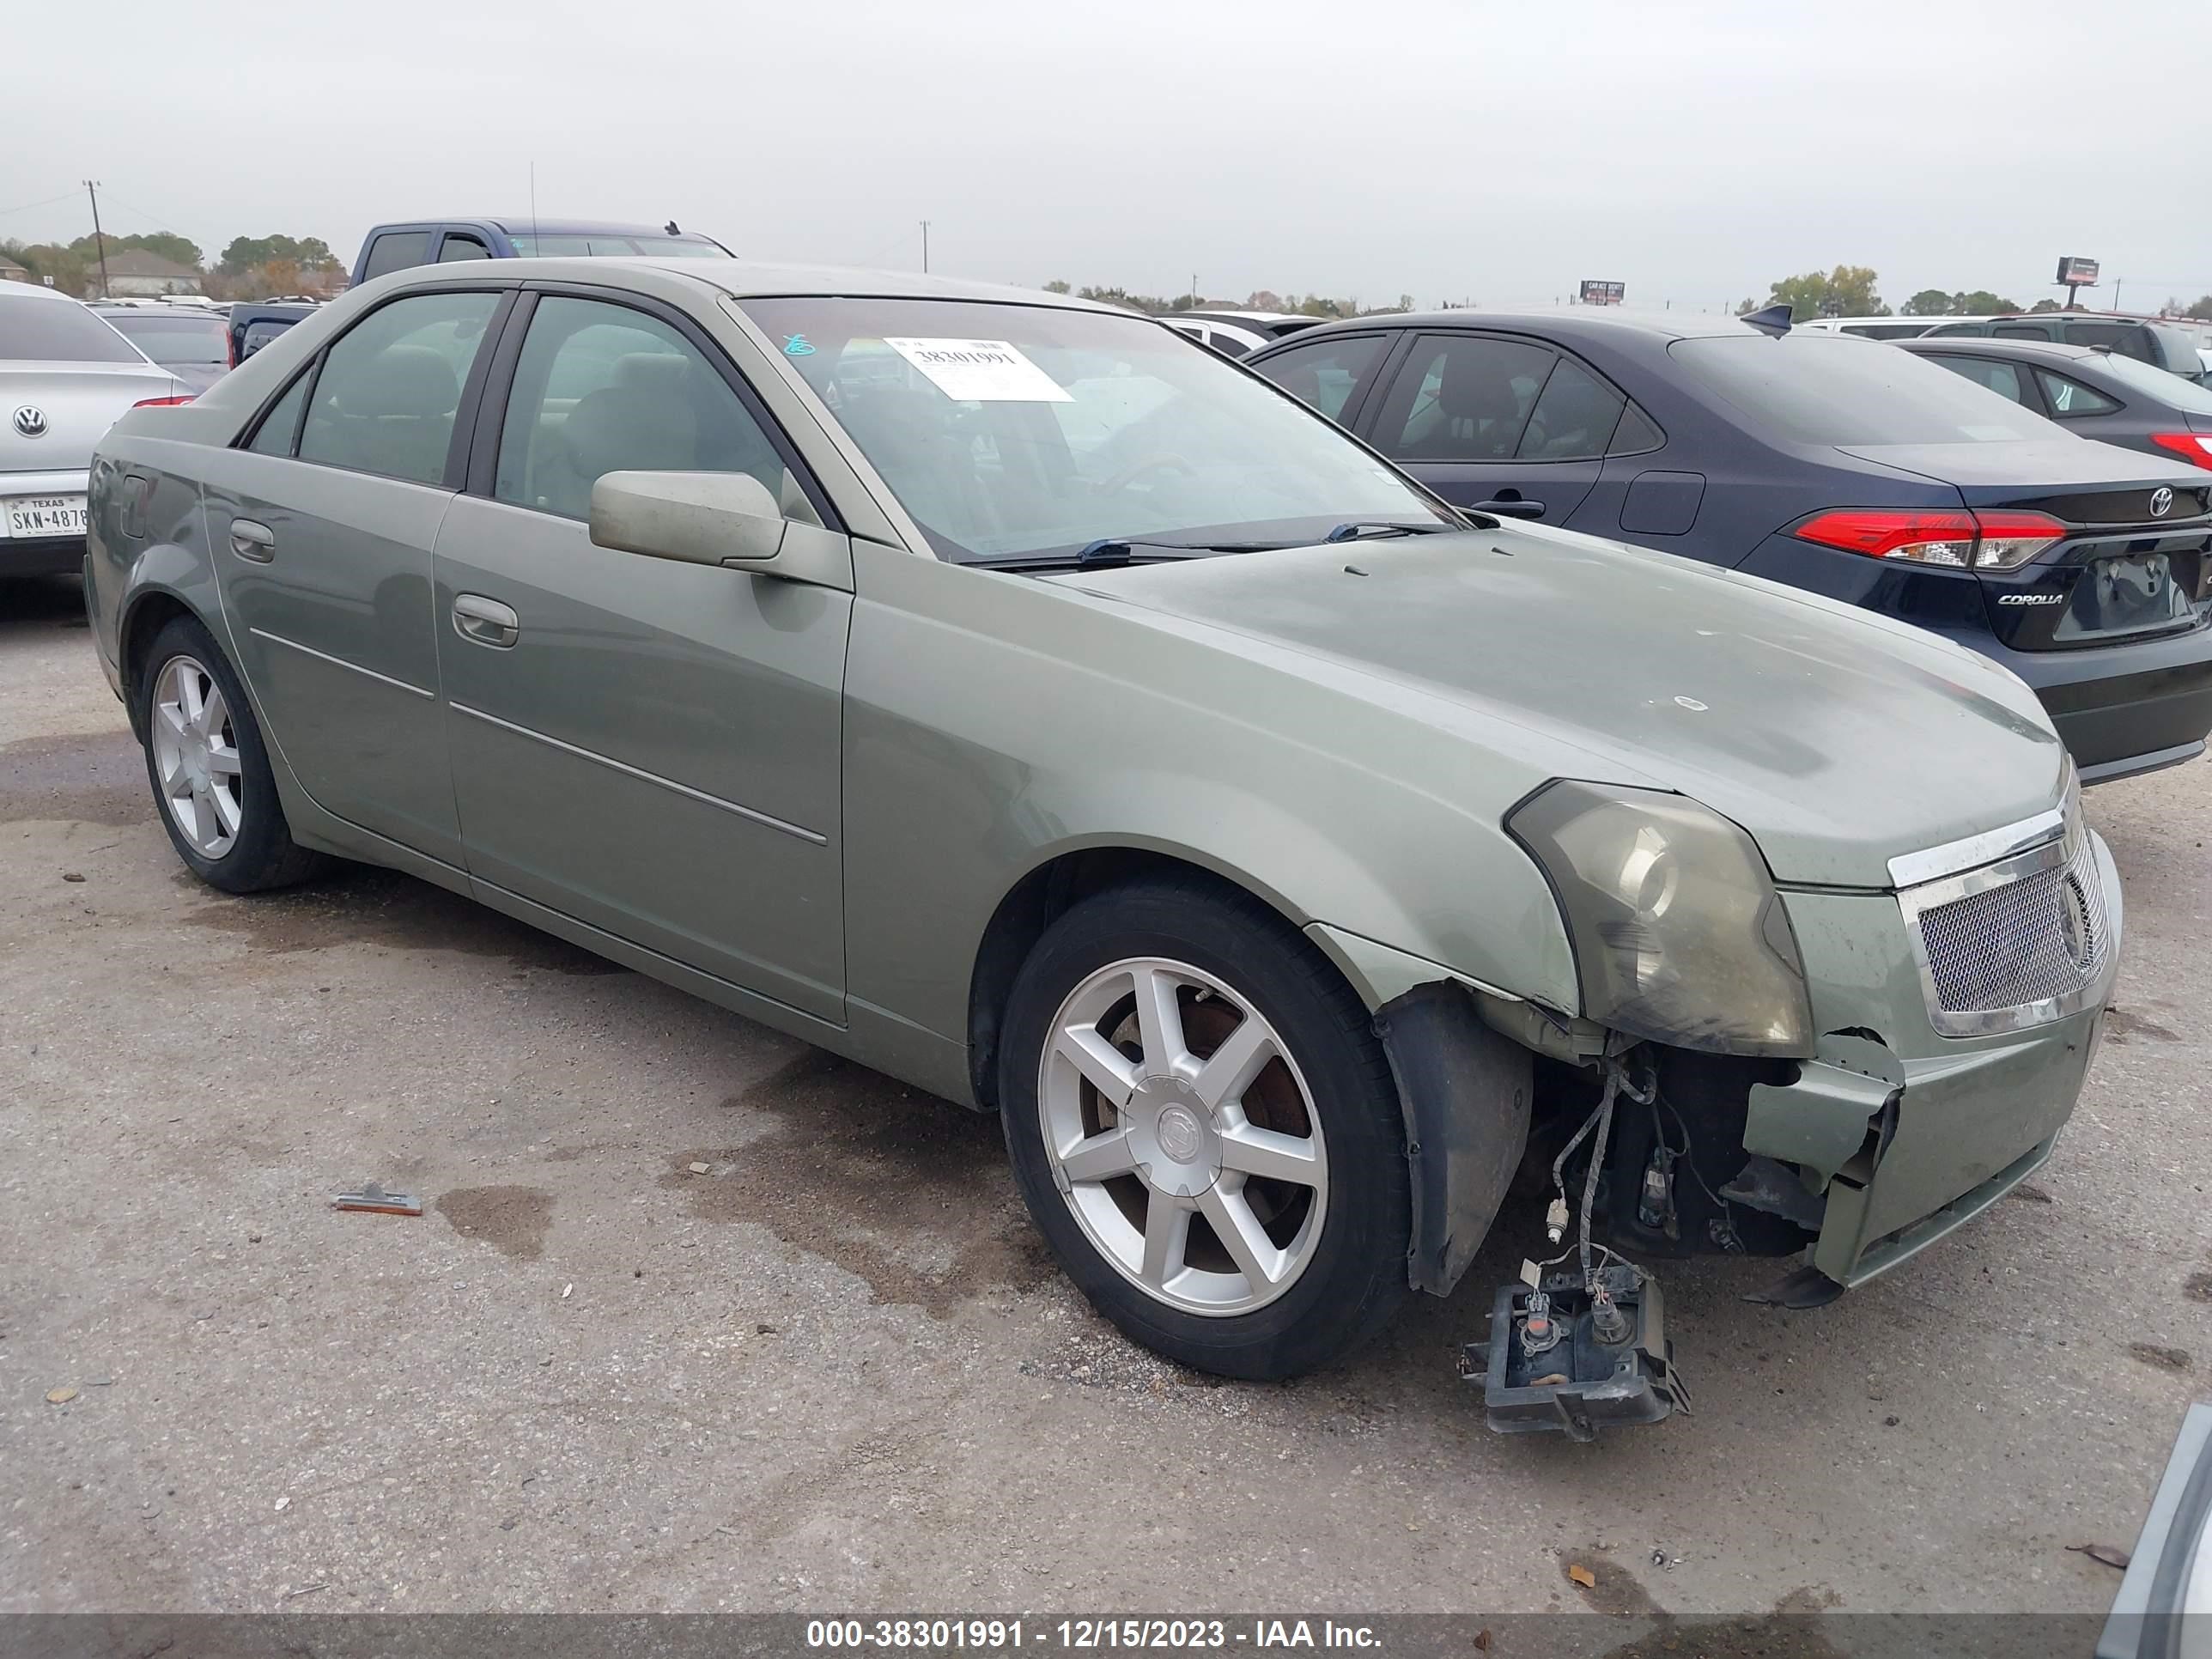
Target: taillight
point(2010, 540)
point(1959, 541)
point(1879, 533)
point(2195, 447)
point(161, 402)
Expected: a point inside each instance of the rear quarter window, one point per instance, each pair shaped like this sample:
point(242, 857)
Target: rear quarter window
point(43, 331)
point(1827, 390)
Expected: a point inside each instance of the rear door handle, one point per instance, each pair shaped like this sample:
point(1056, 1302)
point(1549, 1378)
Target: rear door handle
point(1516, 508)
point(485, 621)
point(249, 540)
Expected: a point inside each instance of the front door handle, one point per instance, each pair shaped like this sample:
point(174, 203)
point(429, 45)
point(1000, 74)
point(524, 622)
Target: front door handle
point(485, 621)
point(1511, 507)
point(249, 540)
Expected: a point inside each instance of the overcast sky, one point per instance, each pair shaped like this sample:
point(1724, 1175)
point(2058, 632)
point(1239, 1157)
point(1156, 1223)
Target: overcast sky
point(1451, 149)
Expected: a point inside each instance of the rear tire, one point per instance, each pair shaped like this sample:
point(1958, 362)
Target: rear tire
point(1251, 1220)
point(209, 769)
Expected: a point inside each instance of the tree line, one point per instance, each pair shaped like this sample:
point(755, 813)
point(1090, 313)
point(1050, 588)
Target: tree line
point(250, 267)
point(1849, 291)
point(1293, 305)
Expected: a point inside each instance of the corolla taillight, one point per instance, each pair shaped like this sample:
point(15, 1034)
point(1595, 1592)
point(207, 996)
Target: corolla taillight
point(2192, 446)
point(1956, 540)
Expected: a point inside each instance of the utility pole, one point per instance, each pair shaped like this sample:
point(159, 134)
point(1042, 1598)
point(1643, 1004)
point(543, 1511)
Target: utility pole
point(925, 247)
point(92, 190)
point(1193, 290)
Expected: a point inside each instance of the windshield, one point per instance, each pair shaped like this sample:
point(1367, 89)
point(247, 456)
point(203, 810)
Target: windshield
point(202, 342)
point(1830, 389)
point(2174, 391)
point(44, 331)
point(617, 247)
point(1015, 432)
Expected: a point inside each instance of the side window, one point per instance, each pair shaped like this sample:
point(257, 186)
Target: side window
point(2070, 399)
point(385, 399)
point(1326, 373)
point(459, 247)
point(395, 250)
point(1574, 417)
point(2020, 332)
point(1462, 397)
point(1637, 435)
point(602, 388)
point(282, 424)
point(2003, 379)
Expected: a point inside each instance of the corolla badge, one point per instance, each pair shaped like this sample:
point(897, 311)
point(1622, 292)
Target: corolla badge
point(2161, 501)
point(30, 421)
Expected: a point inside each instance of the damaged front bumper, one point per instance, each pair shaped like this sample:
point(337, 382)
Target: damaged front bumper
point(1897, 1133)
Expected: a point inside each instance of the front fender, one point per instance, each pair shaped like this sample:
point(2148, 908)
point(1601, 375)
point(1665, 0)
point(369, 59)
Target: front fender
point(995, 724)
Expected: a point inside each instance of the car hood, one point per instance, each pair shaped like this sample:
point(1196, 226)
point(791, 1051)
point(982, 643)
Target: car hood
point(1837, 737)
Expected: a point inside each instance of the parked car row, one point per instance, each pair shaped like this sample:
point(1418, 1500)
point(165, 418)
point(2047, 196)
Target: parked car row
point(1848, 468)
point(1010, 693)
point(2174, 344)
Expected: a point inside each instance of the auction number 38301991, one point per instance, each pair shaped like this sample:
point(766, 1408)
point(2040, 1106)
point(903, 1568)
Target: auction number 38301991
point(1082, 1635)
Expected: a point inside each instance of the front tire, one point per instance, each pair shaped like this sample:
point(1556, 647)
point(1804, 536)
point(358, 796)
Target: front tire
point(1204, 1127)
point(209, 769)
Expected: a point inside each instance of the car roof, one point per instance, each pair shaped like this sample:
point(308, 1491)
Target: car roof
point(752, 279)
point(1568, 322)
point(36, 291)
point(526, 224)
point(1982, 345)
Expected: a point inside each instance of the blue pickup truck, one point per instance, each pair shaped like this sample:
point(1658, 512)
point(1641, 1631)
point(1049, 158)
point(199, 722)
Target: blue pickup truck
point(440, 241)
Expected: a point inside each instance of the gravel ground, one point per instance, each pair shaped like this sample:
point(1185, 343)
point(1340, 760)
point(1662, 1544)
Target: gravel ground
point(836, 1369)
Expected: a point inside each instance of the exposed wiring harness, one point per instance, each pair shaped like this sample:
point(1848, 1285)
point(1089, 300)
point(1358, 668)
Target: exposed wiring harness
point(1599, 1122)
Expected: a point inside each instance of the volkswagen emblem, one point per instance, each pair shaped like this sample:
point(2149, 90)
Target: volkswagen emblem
point(2161, 501)
point(31, 421)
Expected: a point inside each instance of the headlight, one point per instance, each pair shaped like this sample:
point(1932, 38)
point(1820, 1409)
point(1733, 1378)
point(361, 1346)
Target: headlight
point(1678, 932)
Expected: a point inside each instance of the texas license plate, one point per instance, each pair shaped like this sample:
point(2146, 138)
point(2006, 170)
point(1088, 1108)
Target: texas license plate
point(46, 516)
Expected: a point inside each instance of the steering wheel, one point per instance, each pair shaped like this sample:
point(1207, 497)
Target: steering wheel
point(1129, 475)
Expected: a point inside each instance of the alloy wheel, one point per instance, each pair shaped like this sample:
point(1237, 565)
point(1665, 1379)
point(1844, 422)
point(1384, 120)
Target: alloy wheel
point(1182, 1136)
point(196, 757)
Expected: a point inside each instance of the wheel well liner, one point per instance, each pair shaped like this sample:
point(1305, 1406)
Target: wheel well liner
point(1030, 907)
point(145, 617)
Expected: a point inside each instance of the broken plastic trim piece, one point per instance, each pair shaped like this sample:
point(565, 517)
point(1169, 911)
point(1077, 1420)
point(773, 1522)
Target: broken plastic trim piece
point(374, 1200)
point(1576, 1383)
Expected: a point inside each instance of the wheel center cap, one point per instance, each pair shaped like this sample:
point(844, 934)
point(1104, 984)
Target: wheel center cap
point(1178, 1148)
point(1180, 1135)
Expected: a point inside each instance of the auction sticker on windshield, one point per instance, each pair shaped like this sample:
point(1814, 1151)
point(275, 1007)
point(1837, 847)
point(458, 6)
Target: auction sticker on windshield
point(980, 371)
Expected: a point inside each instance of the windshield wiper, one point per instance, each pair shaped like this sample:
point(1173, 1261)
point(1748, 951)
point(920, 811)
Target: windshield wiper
point(1362, 529)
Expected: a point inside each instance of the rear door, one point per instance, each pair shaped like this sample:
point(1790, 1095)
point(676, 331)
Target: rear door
point(1334, 373)
point(1499, 422)
point(322, 524)
point(650, 747)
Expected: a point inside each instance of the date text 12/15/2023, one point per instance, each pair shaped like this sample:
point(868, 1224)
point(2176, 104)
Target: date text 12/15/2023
point(987, 1636)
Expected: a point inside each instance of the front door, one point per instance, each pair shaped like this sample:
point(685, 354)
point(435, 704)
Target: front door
point(647, 746)
point(321, 530)
point(1505, 424)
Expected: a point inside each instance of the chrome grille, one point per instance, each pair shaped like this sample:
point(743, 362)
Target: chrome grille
point(2014, 943)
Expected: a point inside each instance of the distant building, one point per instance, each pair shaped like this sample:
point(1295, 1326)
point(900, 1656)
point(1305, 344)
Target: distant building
point(135, 274)
point(12, 272)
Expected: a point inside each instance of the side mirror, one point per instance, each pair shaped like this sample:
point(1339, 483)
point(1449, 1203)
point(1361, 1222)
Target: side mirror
point(720, 517)
point(699, 518)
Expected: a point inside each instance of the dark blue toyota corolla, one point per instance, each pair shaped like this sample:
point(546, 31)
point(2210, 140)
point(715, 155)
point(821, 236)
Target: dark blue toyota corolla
point(1838, 465)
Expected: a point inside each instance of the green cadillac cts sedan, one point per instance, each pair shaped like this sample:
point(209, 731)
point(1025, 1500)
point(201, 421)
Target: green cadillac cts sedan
point(1011, 695)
